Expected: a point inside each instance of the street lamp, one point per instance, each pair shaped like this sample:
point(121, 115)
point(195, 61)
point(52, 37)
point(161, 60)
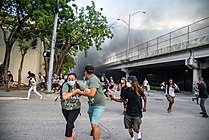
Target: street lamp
point(129, 26)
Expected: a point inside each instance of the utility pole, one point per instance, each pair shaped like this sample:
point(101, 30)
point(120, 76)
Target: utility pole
point(52, 48)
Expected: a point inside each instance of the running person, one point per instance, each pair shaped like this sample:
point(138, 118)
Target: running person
point(133, 95)
point(121, 87)
point(33, 88)
point(170, 93)
point(203, 94)
point(146, 85)
point(96, 100)
point(70, 103)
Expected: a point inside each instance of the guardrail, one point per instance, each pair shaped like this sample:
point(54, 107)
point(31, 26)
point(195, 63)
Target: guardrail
point(188, 36)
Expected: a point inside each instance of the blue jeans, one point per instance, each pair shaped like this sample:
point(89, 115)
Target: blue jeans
point(202, 105)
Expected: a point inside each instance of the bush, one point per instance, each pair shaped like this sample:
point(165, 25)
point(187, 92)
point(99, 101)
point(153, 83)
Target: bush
point(155, 88)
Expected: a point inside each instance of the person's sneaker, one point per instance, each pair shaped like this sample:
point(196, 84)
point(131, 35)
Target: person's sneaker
point(42, 89)
point(202, 113)
point(169, 111)
point(205, 116)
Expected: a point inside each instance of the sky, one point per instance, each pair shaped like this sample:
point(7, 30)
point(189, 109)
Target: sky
point(162, 16)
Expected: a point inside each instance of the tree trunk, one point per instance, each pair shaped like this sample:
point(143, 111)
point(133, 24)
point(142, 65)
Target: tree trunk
point(6, 64)
point(46, 60)
point(20, 70)
point(61, 59)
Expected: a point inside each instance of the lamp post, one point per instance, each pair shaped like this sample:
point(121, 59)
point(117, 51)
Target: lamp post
point(52, 48)
point(129, 27)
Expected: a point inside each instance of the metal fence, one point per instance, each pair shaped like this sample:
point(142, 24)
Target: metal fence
point(162, 44)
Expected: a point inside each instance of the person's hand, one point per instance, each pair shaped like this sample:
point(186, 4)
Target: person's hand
point(111, 97)
point(144, 109)
point(87, 91)
point(76, 91)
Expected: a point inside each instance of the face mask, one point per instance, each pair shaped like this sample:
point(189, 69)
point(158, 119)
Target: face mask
point(128, 84)
point(71, 83)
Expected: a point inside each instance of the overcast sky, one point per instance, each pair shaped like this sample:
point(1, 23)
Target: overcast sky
point(162, 16)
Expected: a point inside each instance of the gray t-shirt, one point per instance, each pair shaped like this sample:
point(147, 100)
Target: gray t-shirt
point(73, 102)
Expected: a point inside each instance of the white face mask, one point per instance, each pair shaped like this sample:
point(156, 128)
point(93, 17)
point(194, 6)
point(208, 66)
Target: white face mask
point(128, 84)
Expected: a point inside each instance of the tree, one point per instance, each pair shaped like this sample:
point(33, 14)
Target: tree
point(18, 18)
point(80, 29)
point(68, 63)
point(24, 46)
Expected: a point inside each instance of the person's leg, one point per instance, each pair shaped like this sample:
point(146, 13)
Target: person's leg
point(96, 131)
point(170, 103)
point(34, 89)
point(96, 115)
point(136, 127)
point(29, 91)
point(131, 133)
point(202, 105)
point(72, 116)
point(128, 125)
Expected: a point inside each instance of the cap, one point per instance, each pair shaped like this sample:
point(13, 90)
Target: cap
point(89, 69)
point(132, 78)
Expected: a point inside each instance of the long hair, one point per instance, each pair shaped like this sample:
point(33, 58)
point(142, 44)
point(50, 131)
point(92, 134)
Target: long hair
point(139, 90)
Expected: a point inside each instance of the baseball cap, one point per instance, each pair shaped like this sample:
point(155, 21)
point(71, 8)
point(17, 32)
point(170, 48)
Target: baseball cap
point(89, 68)
point(132, 78)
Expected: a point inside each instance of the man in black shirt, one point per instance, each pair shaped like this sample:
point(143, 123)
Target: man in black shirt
point(133, 96)
point(203, 94)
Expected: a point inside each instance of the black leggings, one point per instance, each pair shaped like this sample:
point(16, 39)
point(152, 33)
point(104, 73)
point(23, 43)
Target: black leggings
point(70, 116)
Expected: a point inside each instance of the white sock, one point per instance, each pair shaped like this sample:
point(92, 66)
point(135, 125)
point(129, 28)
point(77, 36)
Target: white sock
point(139, 135)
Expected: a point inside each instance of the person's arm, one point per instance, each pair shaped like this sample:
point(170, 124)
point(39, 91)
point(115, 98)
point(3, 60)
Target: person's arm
point(145, 103)
point(91, 92)
point(176, 87)
point(117, 100)
point(66, 95)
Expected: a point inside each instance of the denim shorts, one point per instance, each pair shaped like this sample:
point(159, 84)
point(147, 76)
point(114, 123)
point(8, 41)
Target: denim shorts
point(95, 113)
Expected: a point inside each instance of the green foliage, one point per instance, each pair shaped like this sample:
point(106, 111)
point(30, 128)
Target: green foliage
point(82, 27)
point(27, 20)
point(68, 64)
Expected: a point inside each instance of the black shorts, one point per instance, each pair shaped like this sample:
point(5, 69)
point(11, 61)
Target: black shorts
point(132, 122)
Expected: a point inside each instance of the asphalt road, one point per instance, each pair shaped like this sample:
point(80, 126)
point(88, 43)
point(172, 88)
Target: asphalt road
point(42, 119)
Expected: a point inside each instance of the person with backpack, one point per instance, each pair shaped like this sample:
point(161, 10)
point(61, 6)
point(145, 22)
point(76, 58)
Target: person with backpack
point(170, 88)
point(133, 96)
point(70, 103)
point(203, 95)
point(33, 88)
point(30, 75)
point(96, 101)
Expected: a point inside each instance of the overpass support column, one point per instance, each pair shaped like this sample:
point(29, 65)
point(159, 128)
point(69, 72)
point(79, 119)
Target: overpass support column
point(196, 74)
point(126, 70)
point(197, 67)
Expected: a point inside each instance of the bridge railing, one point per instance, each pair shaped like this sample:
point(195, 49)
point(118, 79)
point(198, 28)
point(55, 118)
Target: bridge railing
point(179, 39)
